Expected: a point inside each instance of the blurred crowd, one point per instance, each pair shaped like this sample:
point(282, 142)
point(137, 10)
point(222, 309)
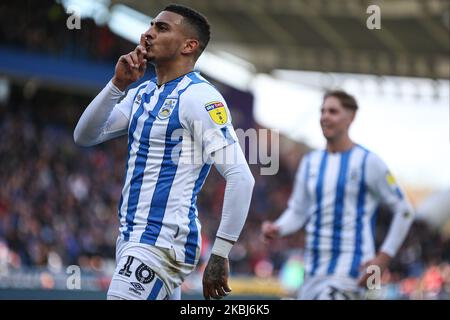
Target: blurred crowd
point(58, 202)
point(40, 26)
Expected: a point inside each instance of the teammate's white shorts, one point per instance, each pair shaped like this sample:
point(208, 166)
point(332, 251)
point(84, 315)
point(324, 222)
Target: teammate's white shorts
point(329, 288)
point(145, 272)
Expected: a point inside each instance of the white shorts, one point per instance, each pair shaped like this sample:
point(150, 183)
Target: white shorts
point(330, 288)
point(145, 272)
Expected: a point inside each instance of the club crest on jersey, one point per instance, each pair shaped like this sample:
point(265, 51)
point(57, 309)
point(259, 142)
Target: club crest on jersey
point(217, 112)
point(354, 175)
point(167, 108)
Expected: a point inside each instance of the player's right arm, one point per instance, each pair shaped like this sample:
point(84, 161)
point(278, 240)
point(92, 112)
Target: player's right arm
point(295, 216)
point(105, 118)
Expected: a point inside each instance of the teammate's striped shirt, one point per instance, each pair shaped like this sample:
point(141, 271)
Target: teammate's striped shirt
point(336, 195)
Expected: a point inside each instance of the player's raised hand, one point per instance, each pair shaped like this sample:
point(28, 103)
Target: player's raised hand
point(215, 278)
point(131, 67)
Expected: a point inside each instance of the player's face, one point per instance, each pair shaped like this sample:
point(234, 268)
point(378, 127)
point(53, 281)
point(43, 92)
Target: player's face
point(335, 120)
point(165, 37)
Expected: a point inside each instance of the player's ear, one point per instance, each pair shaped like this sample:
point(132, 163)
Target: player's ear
point(352, 116)
point(190, 46)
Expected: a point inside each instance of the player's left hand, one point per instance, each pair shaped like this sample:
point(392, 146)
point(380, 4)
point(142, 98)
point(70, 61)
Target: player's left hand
point(269, 231)
point(215, 278)
point(381, 260)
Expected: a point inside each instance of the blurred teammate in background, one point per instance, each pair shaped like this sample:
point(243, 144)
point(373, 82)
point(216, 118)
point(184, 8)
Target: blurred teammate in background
point(335, 197)
point(168, 119)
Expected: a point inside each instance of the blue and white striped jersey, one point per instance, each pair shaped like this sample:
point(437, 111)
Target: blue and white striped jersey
point(336, 196)
point(164, 174)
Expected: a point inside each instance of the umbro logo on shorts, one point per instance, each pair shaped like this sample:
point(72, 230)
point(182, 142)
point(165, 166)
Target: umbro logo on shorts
point(138, 286)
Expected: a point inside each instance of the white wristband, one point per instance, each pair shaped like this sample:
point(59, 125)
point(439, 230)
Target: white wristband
point(221, 248)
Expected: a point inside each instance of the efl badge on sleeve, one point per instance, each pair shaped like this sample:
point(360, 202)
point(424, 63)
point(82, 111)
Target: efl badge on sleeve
point(167, 108)
point(217, 112)
point(390, 179)
point(393, 184)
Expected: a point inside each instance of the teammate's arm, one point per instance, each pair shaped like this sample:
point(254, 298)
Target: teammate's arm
point(231, 164)
point(295, 216)
point(101, 121)
point(383, 184)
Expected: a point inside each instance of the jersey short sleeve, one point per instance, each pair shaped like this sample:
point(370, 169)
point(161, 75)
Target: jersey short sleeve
point(205, 114)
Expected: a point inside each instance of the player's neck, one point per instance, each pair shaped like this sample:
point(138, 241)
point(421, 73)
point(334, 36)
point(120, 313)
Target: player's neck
point(340, 145)
point(170, 71)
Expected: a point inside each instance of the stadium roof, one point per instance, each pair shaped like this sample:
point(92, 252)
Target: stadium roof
point(328, 35)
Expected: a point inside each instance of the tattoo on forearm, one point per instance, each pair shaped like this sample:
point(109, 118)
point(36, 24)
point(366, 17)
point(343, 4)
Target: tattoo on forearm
point(216, 269)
